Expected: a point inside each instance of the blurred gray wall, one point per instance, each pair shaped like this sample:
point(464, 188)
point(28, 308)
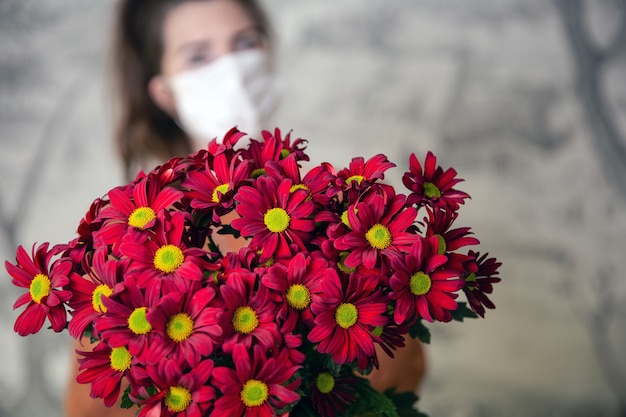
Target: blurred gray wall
point(525, 98)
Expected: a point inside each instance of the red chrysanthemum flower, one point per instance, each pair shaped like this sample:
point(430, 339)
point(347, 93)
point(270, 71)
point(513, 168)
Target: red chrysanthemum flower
point(344, 320)
point(274, 216)
point(125, 322)
point(287, 147)
point(87, 292)
point(189, 322)
point(333, 394)
point(378, 230)
point(421, 286)
point(104, 368)
point(479, 279)
point(258, 386)
point(439, 223)
point(361, 174)
point(213, 187)
point(297, 283)
point(316, 181)
point(181, 391)
point(46, 296)
point(164, 261)
point(250, 314)
point(432, 185)
point(134, 209)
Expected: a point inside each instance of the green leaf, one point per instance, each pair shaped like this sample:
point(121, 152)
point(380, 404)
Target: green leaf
point(462, 312)
point(405, 403)
point(227, 229)
point(419, 331)
point(371, 402)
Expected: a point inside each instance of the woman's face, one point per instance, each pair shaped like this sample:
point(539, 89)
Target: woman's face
point(196, 33)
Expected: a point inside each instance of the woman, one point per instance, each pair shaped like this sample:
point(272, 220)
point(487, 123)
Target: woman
point(186, 71)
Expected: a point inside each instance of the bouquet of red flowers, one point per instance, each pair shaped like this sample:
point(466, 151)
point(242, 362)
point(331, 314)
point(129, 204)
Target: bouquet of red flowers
point(334, 263)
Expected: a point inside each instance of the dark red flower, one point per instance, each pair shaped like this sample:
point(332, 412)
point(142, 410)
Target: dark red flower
point(181, 391)
point(344, 319)
point(134, 208)
point(258, 386)
point(421, 286)
point(274, 216)
point(479, 279)
point(46, 296)
point(432, 185)
point(250, 314)
point(190, 323)
point(378, 230)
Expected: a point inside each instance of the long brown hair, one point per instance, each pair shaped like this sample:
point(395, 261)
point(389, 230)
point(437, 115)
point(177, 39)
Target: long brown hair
point(145, 133)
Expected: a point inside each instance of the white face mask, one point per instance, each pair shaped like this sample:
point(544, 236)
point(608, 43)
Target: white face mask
point(238, 89)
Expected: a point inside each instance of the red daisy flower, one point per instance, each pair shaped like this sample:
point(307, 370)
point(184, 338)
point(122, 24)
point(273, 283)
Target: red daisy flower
point(333, 394)
point(214, 186)
point(439, 223)
point(104, 368)
point(421, 286)
point(125, 322)
point(260, 152)
point(297, 283)
point(316, 181)
point(479, 279)
point(46, 296)
point(344, 320)
point(190, 323)
point(360, 174)
point(87, 292)
point(164, 261)
point(258, 386)
point(378, 230)
point(274, 216)
point(181, 392)
point(250, 315)
point(135, 208)
point(432, 185)
point(297, 147)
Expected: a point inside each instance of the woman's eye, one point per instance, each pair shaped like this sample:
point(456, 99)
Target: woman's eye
point(248, 41)
point(198, 59)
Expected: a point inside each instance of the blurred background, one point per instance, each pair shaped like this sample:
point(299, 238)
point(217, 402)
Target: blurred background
point(525, 98)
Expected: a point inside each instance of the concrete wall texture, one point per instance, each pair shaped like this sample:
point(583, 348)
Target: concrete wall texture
point(525, 98)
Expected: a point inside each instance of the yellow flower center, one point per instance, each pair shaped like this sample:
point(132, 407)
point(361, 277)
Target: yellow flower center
point(378, 237)
point(442, 245)
point(177, 399)
point(179, 327)
point(471, 278)
point(431, 190)
point(346, 315)
point(419, 283)
point(39, 287)
point(254, 393)
point(378, 330)
point(298, 187)
point(344, 217)
point(120, 359)
point(245, 320)
point(101, 290)
point(284, 153)
point(168, 258)
point(325, 382)
point(223, 188)
point(298, 296)
point(256, 173)
point(355, 178)
point(141, 216)
point(341, 265)
point(277, 220)
point(137, 321)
